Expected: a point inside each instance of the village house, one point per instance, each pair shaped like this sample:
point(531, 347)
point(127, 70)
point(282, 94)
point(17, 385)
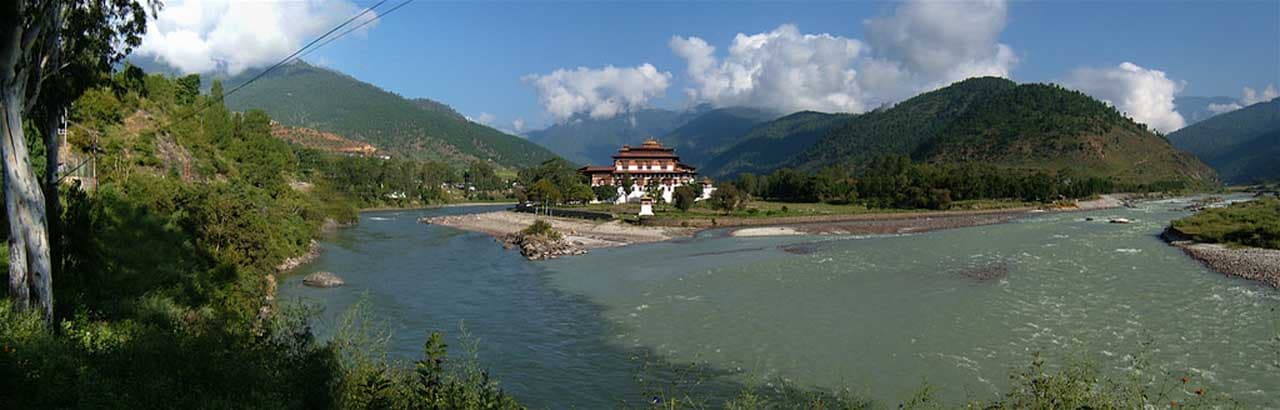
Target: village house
point(651, 162)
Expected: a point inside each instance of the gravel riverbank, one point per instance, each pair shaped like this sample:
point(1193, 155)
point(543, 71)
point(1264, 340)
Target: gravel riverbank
point(1257, 264)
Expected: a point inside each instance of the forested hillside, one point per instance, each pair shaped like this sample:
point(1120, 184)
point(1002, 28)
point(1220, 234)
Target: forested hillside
point(713, 132)
point(165, 274)
point(988, 120)
point(1039, 126)
point(303, 95)
point(585, 140)
point(1242, 145)
point(770, 145)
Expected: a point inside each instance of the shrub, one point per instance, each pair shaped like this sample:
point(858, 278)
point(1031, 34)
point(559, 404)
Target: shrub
point(684, 197)
point(541, 228)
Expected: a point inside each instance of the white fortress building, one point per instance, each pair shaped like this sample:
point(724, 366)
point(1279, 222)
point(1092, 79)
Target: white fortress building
point(649, 163)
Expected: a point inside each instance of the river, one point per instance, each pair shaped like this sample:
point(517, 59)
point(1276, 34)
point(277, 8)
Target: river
point(959, 309)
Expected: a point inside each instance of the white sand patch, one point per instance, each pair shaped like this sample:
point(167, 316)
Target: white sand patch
point(767, 231)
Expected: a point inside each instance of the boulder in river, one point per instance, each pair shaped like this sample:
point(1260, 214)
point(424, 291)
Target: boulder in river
point(322, 280)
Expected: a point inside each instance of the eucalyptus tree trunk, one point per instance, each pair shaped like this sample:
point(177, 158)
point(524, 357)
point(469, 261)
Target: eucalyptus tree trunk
point(30, 279)
point(30, 269)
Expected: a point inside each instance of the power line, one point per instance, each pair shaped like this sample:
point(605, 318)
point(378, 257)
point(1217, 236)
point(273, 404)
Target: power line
point(370, 20)
point(304, 48)
point(280, 63)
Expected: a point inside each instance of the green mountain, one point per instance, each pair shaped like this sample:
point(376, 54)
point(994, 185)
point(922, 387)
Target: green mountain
point(586, 140)
point(713, 132)
point(1043, 126)
point(988, 120)
point(901, 129)
point(304, 95)
point(1242, 145)
point(771, 145)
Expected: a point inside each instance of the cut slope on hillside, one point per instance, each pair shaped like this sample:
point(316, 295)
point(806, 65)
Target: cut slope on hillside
point(314, 97)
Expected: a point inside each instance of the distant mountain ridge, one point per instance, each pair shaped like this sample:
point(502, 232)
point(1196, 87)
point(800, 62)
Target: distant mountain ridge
point(1243, 145)
point(303, 95)
point(1195, 109)
point(584, 140)
point(990, 120)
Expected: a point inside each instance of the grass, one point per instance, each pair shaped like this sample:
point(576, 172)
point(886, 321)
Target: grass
point(1252, 223)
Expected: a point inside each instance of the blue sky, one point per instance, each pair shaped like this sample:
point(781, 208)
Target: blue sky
point(477, 56)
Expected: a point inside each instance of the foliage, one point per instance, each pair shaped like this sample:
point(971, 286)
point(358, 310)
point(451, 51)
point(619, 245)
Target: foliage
point(167, 276)
point(1253, 223)
point(541, 228)
point(555, 181)
point(897, 182)
point(728, 198)
point(684, 196)
point(304, 95)
point(605, 193)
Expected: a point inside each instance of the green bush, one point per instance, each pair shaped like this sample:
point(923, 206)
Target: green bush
point(1252, 223)
point(541, 228)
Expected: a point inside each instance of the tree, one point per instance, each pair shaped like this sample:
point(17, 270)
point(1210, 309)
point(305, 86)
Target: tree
point(544, 191)
point(64, 46)
point(684, 197)
point(579, 193)
point(605, 192)
point(728, 198)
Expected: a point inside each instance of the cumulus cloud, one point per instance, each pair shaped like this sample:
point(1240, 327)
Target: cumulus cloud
point(941, 42)
point(483, 118)
point(781, 69)
point(204, 36)
point(920, 46)
point(518, 124)
point(601, 93)
point(1251, 97)
point(1144, 94)
point(1221, 108)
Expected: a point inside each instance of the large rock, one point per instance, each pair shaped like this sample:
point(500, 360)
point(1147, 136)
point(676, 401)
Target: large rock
point(322, 280)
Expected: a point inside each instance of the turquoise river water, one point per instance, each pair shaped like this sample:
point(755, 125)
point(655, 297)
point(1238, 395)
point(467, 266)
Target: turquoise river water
point(959, 309)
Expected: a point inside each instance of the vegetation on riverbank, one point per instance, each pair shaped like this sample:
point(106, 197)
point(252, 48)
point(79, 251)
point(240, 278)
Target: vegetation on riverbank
point(1251, 223)
point(165, 286)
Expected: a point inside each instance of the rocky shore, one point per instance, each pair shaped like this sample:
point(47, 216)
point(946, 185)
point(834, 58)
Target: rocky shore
point(1257, 264)
point(542, 247)
point(313, 251)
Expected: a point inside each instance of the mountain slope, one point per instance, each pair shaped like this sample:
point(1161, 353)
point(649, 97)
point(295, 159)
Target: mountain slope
point(303, 95)
point(713, 132)
point(586, 140)
point(1041, 126)
point(900, 129)
point(1237, 143)
point(770, 145)
point(989, 120)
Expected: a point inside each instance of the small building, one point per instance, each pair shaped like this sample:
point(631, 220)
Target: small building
point(651, 162)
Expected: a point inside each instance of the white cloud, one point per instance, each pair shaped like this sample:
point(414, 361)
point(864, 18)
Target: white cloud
point(1221, 108)
point(781, 69)
point(204, 36)
point(941, 42)
point(1144, 94)
point(483, 118)
point(601, 93)
point(1252, 96)
point(921, 46)
point(518, 124)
